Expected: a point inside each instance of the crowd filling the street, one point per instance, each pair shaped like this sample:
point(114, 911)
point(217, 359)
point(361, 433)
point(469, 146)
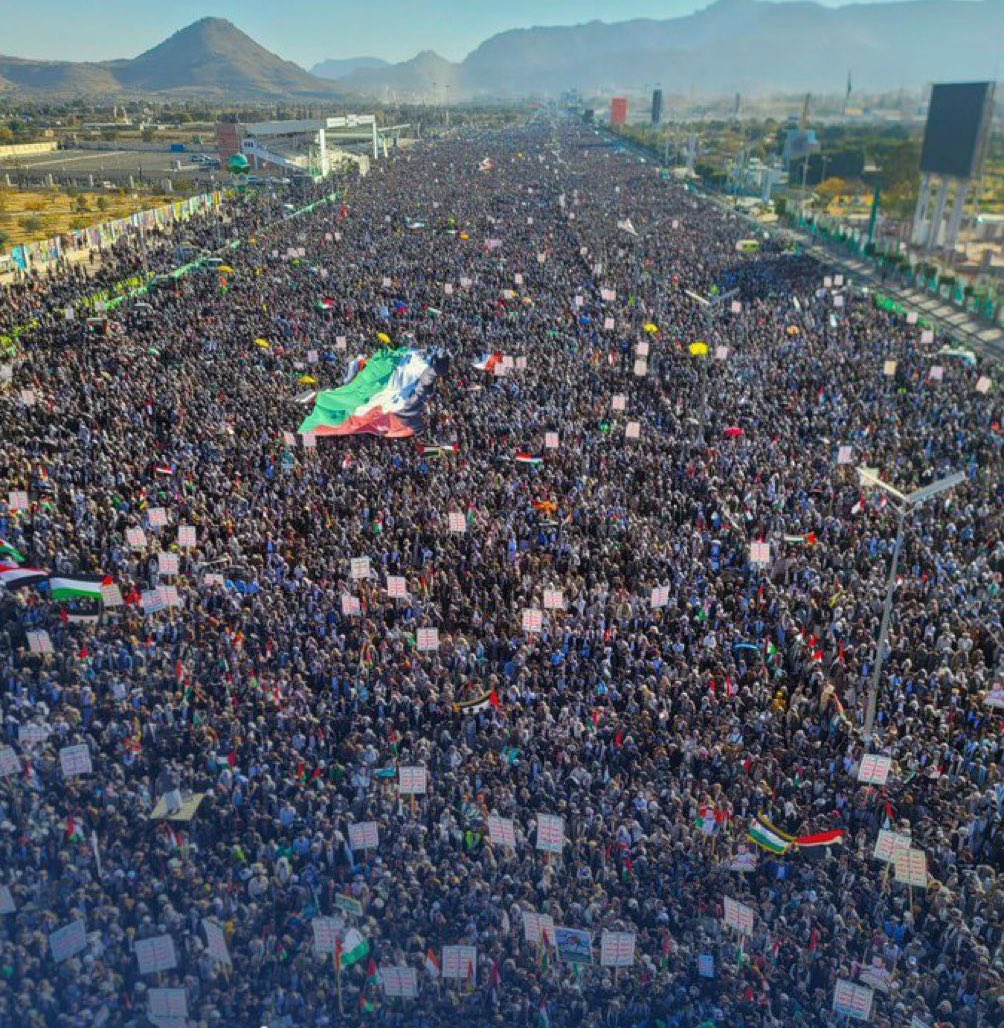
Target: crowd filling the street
point(458, 604)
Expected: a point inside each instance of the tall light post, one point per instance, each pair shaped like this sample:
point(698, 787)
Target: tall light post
point(905, 503)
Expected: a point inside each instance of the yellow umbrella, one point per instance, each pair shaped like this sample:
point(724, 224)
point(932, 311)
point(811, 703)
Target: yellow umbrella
point(263, 343)
point(464, 235)
point(651, 328)
point(792, 330)
point(225, 269)
point(699, 349)
point(383, 337)
point(308, 380)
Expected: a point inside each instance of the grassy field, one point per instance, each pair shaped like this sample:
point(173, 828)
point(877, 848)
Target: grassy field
point(29, 216)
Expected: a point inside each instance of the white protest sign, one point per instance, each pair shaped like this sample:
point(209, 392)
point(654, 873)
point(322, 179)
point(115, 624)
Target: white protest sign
point(167, 1008)
point(983, 384)
point(458, 523)
point(397, 587)
point(412, 781)
point(169, 596)
point(167, 564)
point(385, 282)
point(736, 307)
point(33, 734)
point(619, 402)
point(518, 279)
point(640, 368)
point(309, 440)
point(213, 579)
point(364, 835)
point(760, 554)
point(706, 965)
point(359, 567)
point(874, 769)
point(838, 301)
point(68, 941)
point(111, 596)
point(577, 301)
point(550, 833)
point(460, 962)
point(136, 538)
point(537, 926)
point(186, 536)
point(609, 295)
point(216, 941)
point(75, 760)
point(9, 763)
point(448, 288)
point(875, 974)
point(632, 430)
point(399, 981)
point(551, 440)
point(326, 932)
point(937, 373)
point(28, 397)
point(617, 949)
point(660, 596)
point(888, 368)
point(608, 324)
point(927, 336)
point(313, 356)
point(838, 280)
point(554, 599)
point(642, 349)
point(852, 1000)
point(738, 916)
point(157, 517)
point(911, 868)
point(533, 619)
point(341, 343)
point(427, 640)
point(156, 954)
point(995, 698)
point(465, 283)
point(721, 353)
point(17, 499)
point(845, 454)
point(39, 642)
point(6, 900)
point(827, 282)
point(889, 845)
point(911, 318)
point(350, 604)
point(521, 363)
point(502, 831)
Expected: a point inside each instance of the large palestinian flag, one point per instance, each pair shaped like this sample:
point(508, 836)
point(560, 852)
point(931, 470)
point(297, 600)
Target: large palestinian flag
point(75, 587)
point(385, 398)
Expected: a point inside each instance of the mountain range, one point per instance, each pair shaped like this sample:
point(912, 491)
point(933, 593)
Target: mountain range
point(748, 46)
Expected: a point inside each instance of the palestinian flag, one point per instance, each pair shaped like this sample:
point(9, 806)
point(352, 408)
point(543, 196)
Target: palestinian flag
point(483, 702)
point(769, 838)
point(528, 458)
point(385, 398)
point(12, 576)
point(809, 539)
point(164, 469)
point(10, 552)
point(487, 362)
point(326, 303)
point(73, 587)
point(354, 948)
point(438, 449)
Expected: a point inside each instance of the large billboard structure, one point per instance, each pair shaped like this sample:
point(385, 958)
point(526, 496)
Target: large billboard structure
point(618, 110)
point(955, 143)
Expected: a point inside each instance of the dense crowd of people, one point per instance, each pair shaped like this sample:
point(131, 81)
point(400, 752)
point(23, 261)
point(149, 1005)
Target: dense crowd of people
point(659, 727)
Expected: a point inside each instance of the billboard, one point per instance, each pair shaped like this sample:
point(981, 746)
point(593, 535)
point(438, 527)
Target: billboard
point(656, 106)
point(618, 110)
point(958, 124)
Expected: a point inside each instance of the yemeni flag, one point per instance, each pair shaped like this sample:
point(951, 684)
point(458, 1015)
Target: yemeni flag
point(438, 449)
point(487, 362)
point(809, 539)
point(385, 398)
point(769, 838)
point(12, 576)
point(354, 948)
point(75, 587)
point(819, 843)
point(528, 458)
point(8, 551)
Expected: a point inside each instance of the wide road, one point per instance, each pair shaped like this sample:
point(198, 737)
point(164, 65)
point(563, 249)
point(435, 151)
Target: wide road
point(113, 165)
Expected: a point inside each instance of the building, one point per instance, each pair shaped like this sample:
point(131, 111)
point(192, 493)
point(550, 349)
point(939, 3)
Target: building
point(618, 110)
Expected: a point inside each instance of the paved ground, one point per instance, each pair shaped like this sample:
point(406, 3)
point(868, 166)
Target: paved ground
point(105, 165)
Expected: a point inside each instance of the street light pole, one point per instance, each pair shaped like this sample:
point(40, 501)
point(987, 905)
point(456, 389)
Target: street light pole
point(906, 503)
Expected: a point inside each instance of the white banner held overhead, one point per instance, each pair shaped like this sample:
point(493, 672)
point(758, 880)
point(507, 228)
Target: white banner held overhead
point(619, 402)
point(502, 831)
point(359, 567)
point(156, 954)
point(760, 554)
point(427, 640)
point(551, 441)
point(364, 835)
point(39, 642)
point(397, 587)
point(550, 833)
point(632, 430)
point(460, 962)
point(167, 1007)
point(326, 932)
point(554, 599)
point(167, 564)
point(874, 769)
point(660, 596)
point(9, 762)
point(911, 868)
point(617, 949)
point(738, 916)
point(533, 620)
point(350, 604)
point(854, 1001)
point(216, 941)
point(75, 760)
point(890, 845)
point(136, 538)
point(399, 981)
point(458, 523)
point(68, 941)
point(538, 926)
point(413, 781)
point(186, 537)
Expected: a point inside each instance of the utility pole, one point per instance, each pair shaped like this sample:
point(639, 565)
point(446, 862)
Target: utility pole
point(904, 503)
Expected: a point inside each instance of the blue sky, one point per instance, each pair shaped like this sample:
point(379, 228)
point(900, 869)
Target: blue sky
point(305, 31)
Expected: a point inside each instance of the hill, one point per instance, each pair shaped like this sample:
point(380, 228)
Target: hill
point(426, 74)
point(733, 45)
point(211, 56)
point(340, 68)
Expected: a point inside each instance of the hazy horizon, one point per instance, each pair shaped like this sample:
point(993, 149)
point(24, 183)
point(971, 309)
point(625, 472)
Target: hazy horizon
point(307, 31)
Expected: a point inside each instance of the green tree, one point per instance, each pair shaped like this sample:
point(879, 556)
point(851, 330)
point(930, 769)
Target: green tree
point(149, 133)
point(33, 223)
